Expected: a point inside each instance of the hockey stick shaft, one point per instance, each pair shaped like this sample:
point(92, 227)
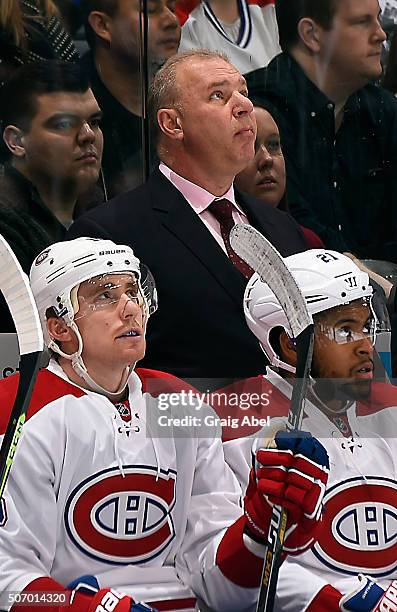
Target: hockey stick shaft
point(28, 367)
point(15, 287)
point(261, 255)
point(278, 522)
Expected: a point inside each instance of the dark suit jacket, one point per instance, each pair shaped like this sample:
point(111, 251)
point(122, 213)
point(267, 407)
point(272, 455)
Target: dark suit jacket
point(199, 329)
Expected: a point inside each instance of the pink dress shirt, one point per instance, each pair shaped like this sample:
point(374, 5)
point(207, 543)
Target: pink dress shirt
point(199, 199)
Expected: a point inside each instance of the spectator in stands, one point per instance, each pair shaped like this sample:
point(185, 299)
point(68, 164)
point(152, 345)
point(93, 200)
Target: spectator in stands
point(389, 80)
point(115, 70)
point(71, 15)
point(31, 31)
point(183, 8)
point(247, 33)
point(264, 176)
point(339, 131)
point(183, 215)
point(54, 143)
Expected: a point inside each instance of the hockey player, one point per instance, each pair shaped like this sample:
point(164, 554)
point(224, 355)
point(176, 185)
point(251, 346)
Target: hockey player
point(94, 499)
point(352, 417)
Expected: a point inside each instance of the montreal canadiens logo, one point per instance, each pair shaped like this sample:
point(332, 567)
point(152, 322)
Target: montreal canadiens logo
point(360, 527)
point(120, 519)
point(41, 257)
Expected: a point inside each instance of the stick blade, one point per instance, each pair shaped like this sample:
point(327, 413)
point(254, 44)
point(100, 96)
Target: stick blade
point(15, 287)
point(263, 257)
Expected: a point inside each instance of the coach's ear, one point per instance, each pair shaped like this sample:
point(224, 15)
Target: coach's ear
point(287, 348)
point(170, 123)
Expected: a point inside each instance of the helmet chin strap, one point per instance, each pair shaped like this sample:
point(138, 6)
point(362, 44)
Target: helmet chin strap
point(79, 367)
point(328, 393)
point(283, 365)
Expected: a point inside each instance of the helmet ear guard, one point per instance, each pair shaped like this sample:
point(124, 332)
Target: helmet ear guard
point(148, 288)
point(327, 279)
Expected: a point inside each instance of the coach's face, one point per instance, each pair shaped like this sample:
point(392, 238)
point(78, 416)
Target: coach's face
point(352, 47)
point(216, 116)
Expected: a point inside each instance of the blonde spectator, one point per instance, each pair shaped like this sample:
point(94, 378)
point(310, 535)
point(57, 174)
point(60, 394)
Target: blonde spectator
point(31, 31)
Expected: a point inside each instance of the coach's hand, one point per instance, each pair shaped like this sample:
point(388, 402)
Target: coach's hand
point(292, 473)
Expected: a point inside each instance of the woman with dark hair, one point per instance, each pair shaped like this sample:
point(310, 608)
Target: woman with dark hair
point(264, 177)
point(30, 30)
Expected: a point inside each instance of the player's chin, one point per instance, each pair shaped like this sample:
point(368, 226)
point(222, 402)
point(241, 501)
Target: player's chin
point(139, 352)
point(130, 354)
point(358, 389)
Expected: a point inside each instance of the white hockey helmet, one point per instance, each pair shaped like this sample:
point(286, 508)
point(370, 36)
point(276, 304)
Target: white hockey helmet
point(326, 278)
point(63, 266)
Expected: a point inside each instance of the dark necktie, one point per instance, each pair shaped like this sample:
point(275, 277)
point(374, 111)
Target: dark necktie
point(222, 211)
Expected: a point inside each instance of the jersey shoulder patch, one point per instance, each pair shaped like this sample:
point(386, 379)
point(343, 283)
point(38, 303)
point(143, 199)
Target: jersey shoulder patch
point(48, 387)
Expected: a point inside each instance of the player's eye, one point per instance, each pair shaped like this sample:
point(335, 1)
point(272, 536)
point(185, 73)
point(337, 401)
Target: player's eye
point(369, 328)
point(344, 334)
point(133, 295)
point(104, 295)
point(107, 295)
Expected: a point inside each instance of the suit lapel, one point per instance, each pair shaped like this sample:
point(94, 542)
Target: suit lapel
point(179, 218)
point(257, 214)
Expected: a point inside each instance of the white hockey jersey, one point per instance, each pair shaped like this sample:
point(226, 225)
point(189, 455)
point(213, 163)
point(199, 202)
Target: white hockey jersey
point(92, 492)
point(257, 42)
point(359, 531)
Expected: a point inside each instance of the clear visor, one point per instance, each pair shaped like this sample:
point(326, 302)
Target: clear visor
point(379, 306)
point(148, 287)
point(352, 323)
point(108, 291)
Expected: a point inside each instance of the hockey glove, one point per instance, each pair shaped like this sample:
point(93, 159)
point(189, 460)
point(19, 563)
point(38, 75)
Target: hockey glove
point(292, 474)
point(86, 596)
point(370, 597)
